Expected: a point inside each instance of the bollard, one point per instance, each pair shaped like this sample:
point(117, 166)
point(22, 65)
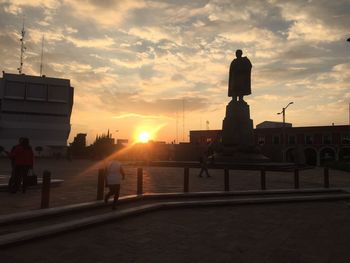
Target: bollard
point(186, 179)
point(45, 189)
point(296, 178)
point(227, 179)
point(263, 179)
point(100, 184)
point(326, 177)
point(139, 181)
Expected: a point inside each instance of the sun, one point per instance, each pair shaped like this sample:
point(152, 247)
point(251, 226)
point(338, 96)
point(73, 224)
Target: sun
point(144, 136)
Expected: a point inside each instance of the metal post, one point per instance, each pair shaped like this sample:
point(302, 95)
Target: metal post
point(227, 179)
point(186, 179)
point(45, 189)
point(296, 178)
point(326, 177)
point(263, 179)
point(139, 181)
point(100, 184)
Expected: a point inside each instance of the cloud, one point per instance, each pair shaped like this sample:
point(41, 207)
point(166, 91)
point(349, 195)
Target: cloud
point(105, 13)
point(139, 116)
point(140, 59)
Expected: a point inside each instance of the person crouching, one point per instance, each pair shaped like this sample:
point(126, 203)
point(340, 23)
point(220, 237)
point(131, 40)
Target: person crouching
point(114, 172)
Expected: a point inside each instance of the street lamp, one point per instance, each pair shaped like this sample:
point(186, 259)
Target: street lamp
point(283, 112)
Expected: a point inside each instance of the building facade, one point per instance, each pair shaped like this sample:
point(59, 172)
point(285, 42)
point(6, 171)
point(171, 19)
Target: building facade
point(313, 145)
point(38, 108)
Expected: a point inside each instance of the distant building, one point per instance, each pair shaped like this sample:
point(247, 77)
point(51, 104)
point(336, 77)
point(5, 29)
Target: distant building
point(38, 108)
point(78, 146)
point(272, 124)
point(313, 145)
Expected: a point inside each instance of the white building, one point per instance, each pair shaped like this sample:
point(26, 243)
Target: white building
point(38, 108)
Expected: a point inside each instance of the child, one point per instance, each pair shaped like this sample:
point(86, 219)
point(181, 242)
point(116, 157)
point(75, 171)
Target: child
point(114, 171)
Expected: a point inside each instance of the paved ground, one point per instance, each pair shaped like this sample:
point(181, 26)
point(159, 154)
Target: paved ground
point(81, 179)
point(304, 232)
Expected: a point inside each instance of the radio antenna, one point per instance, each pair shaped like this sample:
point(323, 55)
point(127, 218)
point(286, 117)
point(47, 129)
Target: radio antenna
point(23, 48)
point(42, 56)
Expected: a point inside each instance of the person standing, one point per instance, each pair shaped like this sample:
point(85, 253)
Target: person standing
point(114, 173)
point(23, 160)
point(203, 160)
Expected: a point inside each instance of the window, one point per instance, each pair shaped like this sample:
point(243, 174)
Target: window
point(309, 139)
point(36, 92)
point(327, 139)
point(261, 140)
point(15, 90)
point(291, 139)
point(345, 138)
point(276, 140)
point(58, 93)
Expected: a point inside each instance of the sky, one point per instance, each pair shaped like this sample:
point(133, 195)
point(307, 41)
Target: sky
point(162, 65)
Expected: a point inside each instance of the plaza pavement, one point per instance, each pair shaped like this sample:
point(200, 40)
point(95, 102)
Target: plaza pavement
point(288, 232)
point(293, 232)
point(80, 180)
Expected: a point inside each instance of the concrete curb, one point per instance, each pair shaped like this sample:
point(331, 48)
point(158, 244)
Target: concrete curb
point(22, 236)
point(41, 213)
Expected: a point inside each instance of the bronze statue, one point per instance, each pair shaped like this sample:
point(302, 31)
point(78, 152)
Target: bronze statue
point(239, 78)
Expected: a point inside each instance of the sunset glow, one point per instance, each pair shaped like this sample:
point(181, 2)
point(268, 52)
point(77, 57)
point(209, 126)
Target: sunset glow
point(144, 136)
point(144, 63)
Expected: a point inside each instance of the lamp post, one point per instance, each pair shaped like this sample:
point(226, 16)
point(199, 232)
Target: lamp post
point(283, 112)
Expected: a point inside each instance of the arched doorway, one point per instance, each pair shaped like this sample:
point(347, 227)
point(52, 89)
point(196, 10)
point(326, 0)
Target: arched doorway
point(327, 155)
point(290, 155)
point(310, 156)
point(344, 154)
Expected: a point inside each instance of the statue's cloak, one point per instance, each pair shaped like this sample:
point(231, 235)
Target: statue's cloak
point(239, 78)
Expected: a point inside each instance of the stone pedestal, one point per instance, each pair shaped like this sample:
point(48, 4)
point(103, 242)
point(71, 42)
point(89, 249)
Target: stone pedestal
point(237, 127)
point(238, 137)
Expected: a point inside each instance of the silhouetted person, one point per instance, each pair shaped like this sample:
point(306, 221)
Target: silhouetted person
point(114, 173)
point(203, 160)
point(23, 158)
point(239, 83)
point(13, 183)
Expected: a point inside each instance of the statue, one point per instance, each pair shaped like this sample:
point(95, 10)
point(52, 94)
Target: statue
point(239, 78)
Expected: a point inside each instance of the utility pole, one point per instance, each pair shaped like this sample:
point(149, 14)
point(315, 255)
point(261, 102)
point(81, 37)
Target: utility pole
point(183, 119)
point(42, 56)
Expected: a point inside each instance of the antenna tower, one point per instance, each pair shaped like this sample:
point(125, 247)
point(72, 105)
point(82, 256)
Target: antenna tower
point(42, 56)
point(23, 48)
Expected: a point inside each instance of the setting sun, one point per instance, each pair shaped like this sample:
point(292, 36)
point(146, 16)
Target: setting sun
point(144, 136)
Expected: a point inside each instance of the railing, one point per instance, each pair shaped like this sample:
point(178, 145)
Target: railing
point(186, 182)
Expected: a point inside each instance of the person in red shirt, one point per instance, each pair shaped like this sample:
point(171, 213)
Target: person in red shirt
point(23, 159)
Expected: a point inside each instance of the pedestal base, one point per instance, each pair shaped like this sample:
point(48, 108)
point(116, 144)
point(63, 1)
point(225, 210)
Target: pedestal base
point(238, 137)
point(237, 127)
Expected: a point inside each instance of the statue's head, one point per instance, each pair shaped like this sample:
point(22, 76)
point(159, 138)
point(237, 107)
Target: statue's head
point(239, 53)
